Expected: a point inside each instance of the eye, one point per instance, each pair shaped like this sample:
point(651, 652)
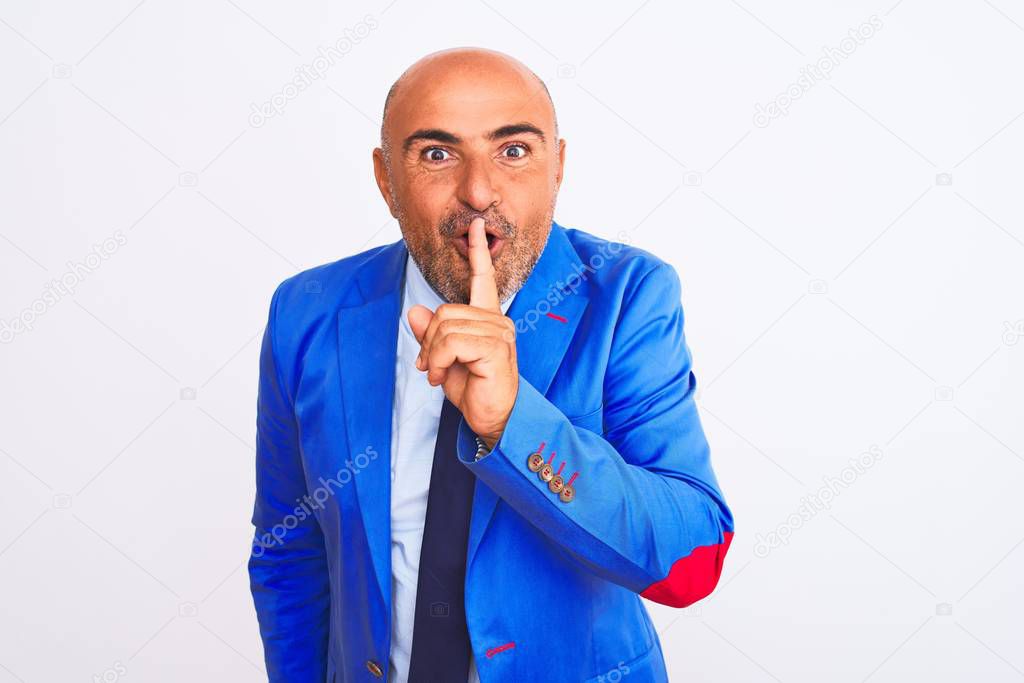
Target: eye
point(435, 154)
point(520, 149)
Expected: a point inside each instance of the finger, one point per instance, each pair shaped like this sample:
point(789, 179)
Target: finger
point(450, 312)
point(480, 328)
point(458, 347)
point(420, 318)
point(483, 291)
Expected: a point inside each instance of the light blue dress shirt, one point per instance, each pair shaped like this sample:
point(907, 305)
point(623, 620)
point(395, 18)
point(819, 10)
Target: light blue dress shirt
point(415, 416)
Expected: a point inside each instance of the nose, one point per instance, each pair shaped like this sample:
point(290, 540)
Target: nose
point(476, 188)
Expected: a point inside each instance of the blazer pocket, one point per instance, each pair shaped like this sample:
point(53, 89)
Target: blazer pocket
point(592, 421)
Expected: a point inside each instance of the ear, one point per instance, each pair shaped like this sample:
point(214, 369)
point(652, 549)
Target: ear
point(380, 174)
point(561, 164)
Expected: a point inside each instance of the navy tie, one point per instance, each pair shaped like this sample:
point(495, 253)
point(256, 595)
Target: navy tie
point(440, 643)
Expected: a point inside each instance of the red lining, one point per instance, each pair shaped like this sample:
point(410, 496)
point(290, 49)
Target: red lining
point(691, 578)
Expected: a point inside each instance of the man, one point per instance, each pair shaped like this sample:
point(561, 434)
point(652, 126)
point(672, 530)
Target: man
point(531, 388)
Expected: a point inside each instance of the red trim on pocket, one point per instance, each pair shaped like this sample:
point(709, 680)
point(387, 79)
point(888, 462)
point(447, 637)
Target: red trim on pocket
point(691, 578)
point(501, 648)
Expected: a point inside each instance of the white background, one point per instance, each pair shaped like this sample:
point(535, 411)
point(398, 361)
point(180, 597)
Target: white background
point(839, 296)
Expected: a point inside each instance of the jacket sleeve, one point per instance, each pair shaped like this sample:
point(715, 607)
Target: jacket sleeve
point(646, 511)
point(287, 566)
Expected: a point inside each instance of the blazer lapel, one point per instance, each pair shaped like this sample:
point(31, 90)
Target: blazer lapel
point(541, 341)
point(367, 344)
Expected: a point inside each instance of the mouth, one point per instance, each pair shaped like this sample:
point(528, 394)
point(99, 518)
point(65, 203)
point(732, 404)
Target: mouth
point(495, 242)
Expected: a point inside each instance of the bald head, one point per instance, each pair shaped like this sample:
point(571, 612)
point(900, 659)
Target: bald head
point(466, 63)
point(470, 133)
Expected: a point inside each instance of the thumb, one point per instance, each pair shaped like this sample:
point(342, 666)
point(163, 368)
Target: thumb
point(419, 320)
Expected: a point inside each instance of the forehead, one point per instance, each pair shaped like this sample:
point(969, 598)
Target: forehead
point(468, 101)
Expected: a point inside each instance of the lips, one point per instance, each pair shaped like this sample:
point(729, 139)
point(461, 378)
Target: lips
point(495, 242)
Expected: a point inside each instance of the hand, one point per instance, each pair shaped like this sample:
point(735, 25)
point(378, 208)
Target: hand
point(471, 349)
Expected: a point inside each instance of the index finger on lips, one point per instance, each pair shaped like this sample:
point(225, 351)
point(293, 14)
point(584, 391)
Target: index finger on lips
point(483, 290)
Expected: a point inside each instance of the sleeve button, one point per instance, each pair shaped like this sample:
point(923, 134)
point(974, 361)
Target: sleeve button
point(535, 461)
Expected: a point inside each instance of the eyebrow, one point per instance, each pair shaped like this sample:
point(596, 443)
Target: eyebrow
point(439, 135)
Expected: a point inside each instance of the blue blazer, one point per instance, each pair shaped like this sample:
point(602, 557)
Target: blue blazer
point(553, 582)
